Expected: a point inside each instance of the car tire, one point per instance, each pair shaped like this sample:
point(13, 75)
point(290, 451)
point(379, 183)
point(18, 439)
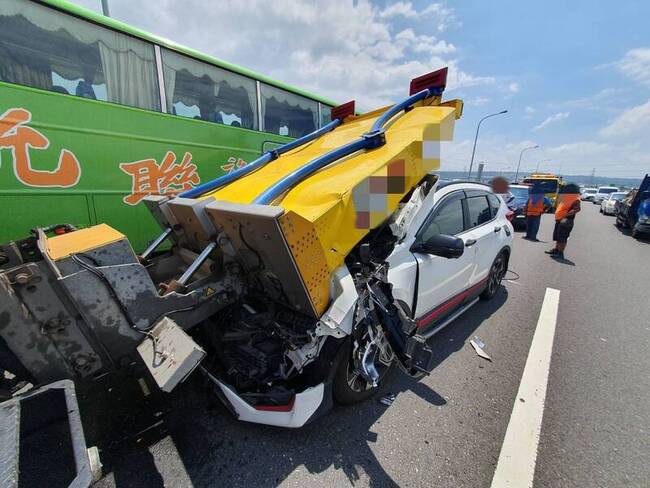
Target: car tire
point(635, 234)
point(618, 223)
point(497, 272)
point(342, 389)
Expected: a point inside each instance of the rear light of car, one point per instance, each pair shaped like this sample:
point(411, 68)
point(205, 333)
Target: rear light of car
point(510, 215)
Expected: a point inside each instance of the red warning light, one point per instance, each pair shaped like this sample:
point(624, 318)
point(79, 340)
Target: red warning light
point(343, 111)
point(435, 79)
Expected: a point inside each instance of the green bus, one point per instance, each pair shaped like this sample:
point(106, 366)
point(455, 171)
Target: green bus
point(95, 115)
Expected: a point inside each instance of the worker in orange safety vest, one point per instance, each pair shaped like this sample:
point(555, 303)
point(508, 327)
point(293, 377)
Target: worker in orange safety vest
point(568, 207)
point(534, 210)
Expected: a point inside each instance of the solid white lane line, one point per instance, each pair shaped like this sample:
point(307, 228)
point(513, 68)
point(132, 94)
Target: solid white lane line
point(516, 466)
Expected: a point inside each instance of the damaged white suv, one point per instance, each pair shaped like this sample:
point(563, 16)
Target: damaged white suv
point(448, 247)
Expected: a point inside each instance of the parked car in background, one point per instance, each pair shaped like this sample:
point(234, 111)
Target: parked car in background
point(588, 194)
point(603, 192)
point(608, 205)
point(633, 212)
point(517, 204)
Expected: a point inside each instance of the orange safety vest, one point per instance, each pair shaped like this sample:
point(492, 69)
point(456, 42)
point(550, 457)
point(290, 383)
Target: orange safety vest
point(535, 209)
point(567, 201)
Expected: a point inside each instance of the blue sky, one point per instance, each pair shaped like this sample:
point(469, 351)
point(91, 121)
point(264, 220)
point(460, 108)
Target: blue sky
point(574, 76)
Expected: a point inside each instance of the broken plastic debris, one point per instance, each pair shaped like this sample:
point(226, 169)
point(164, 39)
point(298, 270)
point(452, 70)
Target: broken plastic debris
point(478, 346)
point(387, 399)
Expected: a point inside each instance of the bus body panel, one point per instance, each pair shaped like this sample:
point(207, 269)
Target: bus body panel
point(120, 153)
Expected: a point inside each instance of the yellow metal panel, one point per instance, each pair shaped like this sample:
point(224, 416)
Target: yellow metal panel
point(309, 257)
point(327, 214)
point(59, 247)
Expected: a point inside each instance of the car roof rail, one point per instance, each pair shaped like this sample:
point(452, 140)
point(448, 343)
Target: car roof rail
point(445, 183)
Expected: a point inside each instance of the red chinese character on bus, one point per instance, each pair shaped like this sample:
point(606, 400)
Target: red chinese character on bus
point(233, 164)
point(16, 135)
point(168, 177)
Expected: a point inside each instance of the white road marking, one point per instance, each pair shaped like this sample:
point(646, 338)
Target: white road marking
point(516, 466)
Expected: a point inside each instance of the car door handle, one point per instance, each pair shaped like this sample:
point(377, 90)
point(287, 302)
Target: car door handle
point(470, 242)
point(497, 229)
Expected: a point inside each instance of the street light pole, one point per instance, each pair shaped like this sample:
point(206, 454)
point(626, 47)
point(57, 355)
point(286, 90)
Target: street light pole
point(105, 9)
point(519, 163)
point(478, 127)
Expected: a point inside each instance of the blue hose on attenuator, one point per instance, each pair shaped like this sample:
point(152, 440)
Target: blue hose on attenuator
point(264, 159)
point(370, 140)
point(398, 107)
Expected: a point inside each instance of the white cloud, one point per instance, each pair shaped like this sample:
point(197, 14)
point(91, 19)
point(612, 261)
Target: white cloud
point(513, 87)
point(529, 111)
point(636, 65)
point(443, 15)
point(341, 49)
point(477, 101)
point(632, 122)
point(610, 158)
point(403, 9)
point(551, 120)
point(607, 99)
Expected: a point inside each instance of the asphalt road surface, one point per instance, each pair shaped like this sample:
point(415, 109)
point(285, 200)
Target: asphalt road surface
point(449, 429)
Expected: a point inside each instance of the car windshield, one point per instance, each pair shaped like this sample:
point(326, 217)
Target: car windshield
point(590, 191)
point(607, 191)
point(617, 196)
point(519, 193)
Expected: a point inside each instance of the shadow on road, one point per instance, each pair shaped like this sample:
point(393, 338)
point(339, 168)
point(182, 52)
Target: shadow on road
point(196, 441)
point(566, 261)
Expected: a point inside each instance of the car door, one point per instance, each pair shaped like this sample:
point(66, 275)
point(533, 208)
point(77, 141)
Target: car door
point(441, 281)
point(482, 227)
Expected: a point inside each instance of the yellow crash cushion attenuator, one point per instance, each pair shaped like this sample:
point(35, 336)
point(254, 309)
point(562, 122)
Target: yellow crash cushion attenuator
point(59, 247)
point(327, 214)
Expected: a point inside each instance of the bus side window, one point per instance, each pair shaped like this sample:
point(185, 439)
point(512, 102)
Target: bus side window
point(288, 114)
point(44, 48)
point(325, 114)
point(202, 91)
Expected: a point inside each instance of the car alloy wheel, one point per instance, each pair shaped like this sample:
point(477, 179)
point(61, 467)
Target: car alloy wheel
point(497, 272)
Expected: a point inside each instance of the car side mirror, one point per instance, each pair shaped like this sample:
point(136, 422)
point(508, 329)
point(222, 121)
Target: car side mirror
point(442, 245)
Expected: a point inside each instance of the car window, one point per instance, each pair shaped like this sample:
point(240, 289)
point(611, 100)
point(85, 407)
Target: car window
point(447, 219)
point(495, 203)
point(478, 211)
